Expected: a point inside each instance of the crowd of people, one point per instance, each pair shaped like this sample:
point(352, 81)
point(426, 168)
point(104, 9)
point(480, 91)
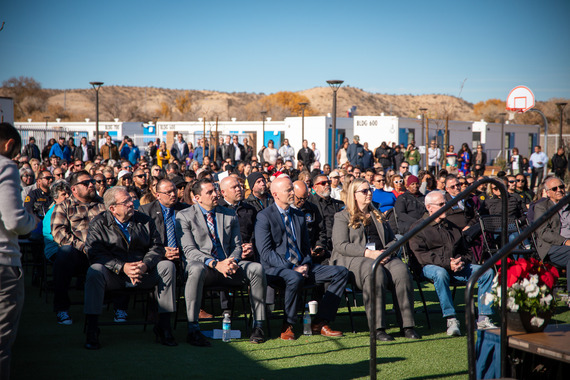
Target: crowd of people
point(223, 215)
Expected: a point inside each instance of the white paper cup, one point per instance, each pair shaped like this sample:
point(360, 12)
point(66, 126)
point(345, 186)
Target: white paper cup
point(313, 307)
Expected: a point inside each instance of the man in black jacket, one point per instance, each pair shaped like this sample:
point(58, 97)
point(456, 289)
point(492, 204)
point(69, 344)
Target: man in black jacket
point(31, 150)
point(409, 207)
point(315, 223)
point(125, 250)
point(259, 197)
point(235, 151)
point(559, 163)
point(326, 206)
point(306, 155)
point(84, 152)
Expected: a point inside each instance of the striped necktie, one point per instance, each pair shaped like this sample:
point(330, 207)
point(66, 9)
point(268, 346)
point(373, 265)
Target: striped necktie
point(212, 233)
point(170, 230)
point(294, 256)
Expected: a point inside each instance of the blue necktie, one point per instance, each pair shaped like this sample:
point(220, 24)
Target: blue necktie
point(170, 230)
point(294, 256)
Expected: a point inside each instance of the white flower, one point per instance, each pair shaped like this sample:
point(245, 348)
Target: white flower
point(543, 289)
point(525, 283)
point(536, 321)
point(489, 298)
point(517, 286)
point(533, 279)
point(532, 290)
point(546, 300)
point(511, 304)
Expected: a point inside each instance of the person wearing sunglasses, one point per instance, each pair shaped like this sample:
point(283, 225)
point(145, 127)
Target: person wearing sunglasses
point(553, 237)
point(409, 206)
point(326, 205)
point(522, 188)
point(443, 254)
point(382, 199)
point(398, 185)
point(360, 235)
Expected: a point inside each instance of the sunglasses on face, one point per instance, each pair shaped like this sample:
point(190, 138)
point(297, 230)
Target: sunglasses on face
point(512, 181)
point(404, 167)
point(364, 191)
point(87, 182)
point(141, 176)
point(453, 186)
point(99, 181)
point(398, 180)
point(323, 183)
point(58, 174)
point(556, 188)
point(49, 178)
point(521, 180)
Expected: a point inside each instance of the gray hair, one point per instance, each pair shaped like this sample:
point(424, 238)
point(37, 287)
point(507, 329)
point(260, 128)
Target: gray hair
point(431, 196)
point(27, 171)
point(109, 198)
point(57, 186)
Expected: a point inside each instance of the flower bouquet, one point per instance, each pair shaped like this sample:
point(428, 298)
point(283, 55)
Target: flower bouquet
point(529, 292)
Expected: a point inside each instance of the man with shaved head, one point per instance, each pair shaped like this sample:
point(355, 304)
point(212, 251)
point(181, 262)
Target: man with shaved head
point(283, 243)
point(315, 223)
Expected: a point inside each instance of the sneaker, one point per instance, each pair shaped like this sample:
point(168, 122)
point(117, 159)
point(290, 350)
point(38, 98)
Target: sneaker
point(63, 318)
point(453, 327)
point(120, 316)
point(485, 324)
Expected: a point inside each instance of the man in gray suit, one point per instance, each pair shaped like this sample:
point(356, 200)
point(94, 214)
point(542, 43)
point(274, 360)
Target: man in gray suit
point(211, 240)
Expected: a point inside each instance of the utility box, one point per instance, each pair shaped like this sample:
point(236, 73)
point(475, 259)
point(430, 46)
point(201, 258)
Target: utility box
point(6, 110)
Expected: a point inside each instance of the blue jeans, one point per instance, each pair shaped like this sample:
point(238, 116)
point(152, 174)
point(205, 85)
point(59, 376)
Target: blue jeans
point(414, 169)
point(441, 279)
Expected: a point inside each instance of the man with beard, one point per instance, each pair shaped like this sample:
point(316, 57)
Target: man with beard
point(259, 197)
point(326, 206)
point(315, 224)
point(69, 223)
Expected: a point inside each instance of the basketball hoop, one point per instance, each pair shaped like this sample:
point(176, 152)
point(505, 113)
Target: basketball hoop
point(520, 100)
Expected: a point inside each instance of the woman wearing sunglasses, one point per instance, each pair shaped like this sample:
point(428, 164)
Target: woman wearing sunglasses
point(398, 185)
point(360, 235)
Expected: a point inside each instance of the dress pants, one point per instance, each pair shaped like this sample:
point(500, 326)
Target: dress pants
point(536, 177)
point(560, 255)
point(11, 304)
point(68, 262)
point(199, 275)
point(293, 283)
point(162, 277)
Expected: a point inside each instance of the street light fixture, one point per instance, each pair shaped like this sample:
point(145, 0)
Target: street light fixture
point(303, 105)
point(45, 132)
point(426, 138)
point(502, 115)
point(263, 115)
point(561, 109)
point(96, 86)
point(334, 85)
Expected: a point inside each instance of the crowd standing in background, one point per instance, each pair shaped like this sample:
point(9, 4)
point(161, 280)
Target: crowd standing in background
point(220, 214)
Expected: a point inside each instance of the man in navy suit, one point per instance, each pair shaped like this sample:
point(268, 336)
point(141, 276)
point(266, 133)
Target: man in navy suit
point(284, 246)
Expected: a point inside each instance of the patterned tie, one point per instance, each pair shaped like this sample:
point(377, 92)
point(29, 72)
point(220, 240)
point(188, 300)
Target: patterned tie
point(170, 230)
point(291, 245)
point(212, 231)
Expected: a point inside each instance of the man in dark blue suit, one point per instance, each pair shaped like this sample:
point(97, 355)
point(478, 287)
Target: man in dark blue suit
point(284, 247)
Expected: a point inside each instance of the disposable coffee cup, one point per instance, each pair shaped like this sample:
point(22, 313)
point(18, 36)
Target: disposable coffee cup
point(313, 307)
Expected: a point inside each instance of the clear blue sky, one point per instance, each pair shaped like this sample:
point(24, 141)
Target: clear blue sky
point(391, 47)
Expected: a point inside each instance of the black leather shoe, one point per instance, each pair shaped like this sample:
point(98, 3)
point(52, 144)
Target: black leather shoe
point(257, 335)
point(164, 337)
point(383, 336)
point(92, 341)
point(410, 333)
point(196, 338)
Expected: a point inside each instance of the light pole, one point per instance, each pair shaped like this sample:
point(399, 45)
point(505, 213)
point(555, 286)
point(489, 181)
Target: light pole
point(426, 138)
point(263, 114)
point(561, 109)
point(303, 105)
point(45, 132)
point(335, 85)
point(96, 86)
point(502, 115)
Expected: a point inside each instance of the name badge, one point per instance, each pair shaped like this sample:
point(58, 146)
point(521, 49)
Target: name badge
point(371, 246)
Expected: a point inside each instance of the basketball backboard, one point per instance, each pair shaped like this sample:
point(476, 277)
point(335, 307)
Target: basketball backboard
point(520, 99)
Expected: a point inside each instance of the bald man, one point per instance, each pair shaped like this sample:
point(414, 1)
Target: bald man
point(315, 223)
point(283, 243)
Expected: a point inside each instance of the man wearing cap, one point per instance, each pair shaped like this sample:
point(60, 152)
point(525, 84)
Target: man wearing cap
point(355, 152)
point(60, 149)
point(259, 197)
point(409, 207)
point(336, 185)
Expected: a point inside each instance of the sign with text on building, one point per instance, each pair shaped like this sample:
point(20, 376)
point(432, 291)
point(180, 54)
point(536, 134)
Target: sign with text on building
point(375, 129)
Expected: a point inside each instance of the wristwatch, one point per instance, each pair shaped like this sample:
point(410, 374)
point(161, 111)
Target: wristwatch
point(214, 263)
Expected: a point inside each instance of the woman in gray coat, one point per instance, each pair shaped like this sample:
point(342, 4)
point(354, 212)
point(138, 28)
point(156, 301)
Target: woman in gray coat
point(359, 236)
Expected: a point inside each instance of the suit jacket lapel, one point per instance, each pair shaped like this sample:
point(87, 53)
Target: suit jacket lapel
point(203, 226)
point(380, 229)
point(297, 226)
point(220, 228)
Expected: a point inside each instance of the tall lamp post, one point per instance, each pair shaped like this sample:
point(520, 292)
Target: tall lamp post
point(502, 115)
point(561, 109)
point(45, 133)
point(335, 85)
point(263, 115)
point(303, 105)
point(426, 138)
point(96, 86)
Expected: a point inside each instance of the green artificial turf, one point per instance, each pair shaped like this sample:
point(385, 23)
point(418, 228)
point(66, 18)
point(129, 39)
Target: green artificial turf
point(46, 350)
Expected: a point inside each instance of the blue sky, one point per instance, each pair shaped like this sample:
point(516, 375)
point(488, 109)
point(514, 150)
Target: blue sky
point(395, 47)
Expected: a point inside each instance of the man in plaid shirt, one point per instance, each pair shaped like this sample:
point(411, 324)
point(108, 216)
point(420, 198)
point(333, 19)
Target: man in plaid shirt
point(69, 225)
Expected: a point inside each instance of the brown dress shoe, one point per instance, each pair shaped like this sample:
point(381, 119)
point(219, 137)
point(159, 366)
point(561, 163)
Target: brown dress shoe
point(287, 332)
point(204, 315)
point(324, 329)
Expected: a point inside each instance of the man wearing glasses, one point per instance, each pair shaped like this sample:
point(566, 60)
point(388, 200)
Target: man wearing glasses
point(404, 168)
point(553, 238)
point(140, 179)
point(315, 224)
point(69, 223)
point(444, 256)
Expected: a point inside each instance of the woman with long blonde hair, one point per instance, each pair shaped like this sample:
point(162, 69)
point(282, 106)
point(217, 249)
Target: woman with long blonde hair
point(360, 235)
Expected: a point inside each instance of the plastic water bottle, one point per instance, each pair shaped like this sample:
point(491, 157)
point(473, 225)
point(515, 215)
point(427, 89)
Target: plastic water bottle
point(226, 328)
point(307, 322)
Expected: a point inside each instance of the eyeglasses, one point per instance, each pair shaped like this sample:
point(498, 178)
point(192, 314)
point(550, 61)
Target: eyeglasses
point(58, 174)
point(323, 183)
point(301, 198)
point(140, 175)
point(50, 178)
point(398, 180)
point(437, 204)
point(172, 192)
point(364, 191)
point(380, 180)
point(521, 180)
point(127, 178)
point(129, 201)
point(99, 181)
point(87, 182)
point(556, 188)
point(110, 179)
point(404, 167)
point(26, 175)
point(512, 181)
point(127, 167)
point(453, 186)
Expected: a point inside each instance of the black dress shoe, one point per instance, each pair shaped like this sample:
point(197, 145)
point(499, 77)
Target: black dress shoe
point(164, 337)
point(196, 338)
point(383, 336)
point(92, 341)
point(257, 335)
point(410, 333)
